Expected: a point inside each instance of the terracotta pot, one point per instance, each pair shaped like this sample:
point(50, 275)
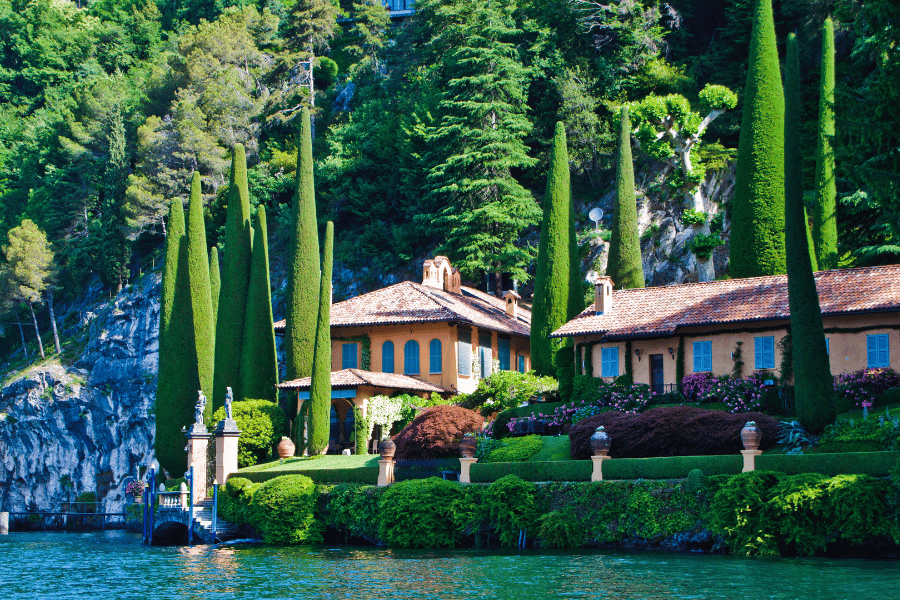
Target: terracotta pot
point(286, 448)
point(600, 442)
point(386, 448)
point(468, 445)
point(751, 436)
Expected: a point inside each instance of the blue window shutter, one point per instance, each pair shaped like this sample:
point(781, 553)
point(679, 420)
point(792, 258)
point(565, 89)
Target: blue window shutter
point(464, 352)
point(770, 353)
point(434, 356)
point(827, 346)
point(349, 356)
point(758, 352)
point(485, 356)
point(609, 358)
point(411, 358)
point(521, 364)
point(877, 351)
point(765, 352)
point(702, 356)
point(387, 357)
point(884, 352)
point(503, 353)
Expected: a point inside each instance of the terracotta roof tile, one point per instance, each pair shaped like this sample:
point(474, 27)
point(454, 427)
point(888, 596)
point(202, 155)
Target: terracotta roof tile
point(352, 378)
point(661, 310)
point(410, 302)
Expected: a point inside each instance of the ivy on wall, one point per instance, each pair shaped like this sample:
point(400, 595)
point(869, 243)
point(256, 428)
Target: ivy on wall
point(365, 347)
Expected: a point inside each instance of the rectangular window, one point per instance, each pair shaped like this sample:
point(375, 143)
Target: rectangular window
point(827, 346)
point(877, 351)
point(609, 358)
point(521, 363)
point(464, 351)
point(349, 356)
point(764, 352)
point(702, 356)
point(503, 353)
point(485, 356)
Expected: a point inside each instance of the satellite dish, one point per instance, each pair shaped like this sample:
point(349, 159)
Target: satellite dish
point(595, 215)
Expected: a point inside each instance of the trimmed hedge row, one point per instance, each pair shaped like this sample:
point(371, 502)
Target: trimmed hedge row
point(878, 464)
point(364, 475)
point(573, 470)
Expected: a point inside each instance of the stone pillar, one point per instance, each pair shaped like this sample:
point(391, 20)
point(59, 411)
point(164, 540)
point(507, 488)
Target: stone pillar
point(465, 465)
point(597, 473)
point(750, 460)
point(197, 443)
point(4, 523)
point(227, 435)
point(385, 472)
point(183, 499)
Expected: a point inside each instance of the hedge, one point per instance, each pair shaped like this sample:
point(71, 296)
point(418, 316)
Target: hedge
point(573, 470)
point(366, 475)
point(857, 463)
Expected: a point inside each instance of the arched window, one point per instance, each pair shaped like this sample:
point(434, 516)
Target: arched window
point(387, 357)
point(411, 358)
point(434, 356)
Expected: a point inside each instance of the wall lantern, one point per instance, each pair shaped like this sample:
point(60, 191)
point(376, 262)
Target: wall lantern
point(672, 352)
point(637, 352)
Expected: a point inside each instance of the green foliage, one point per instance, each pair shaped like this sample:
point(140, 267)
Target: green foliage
point(500, 422)
point(320, 388)
point(354, 510)
point(361, 434)
point(284, 511)
point(503, 390)
point(510, 449)
point(757, 231)
point(259, 360)
point(215, 283)
point(692, 216)
point(565, 370)
point(694, 481)
point(814, 398)
point(302, 298)
point(550, 309)
point(262, 423)
point(679, 363)
point(624, 265)
point(418, 514)
point(560, 529)
point(200, 294)
point(235, 281)
point(703, 245)
point(572, 470)
point(882, 430)
point(235, 504)
point(510, 503)
point(825, 210)
point(738, 513)
point(737, 359)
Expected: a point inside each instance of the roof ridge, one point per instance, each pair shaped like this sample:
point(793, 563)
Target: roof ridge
point(439, 301)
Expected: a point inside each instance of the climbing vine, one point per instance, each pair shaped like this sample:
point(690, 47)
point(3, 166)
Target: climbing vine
point(365, 350)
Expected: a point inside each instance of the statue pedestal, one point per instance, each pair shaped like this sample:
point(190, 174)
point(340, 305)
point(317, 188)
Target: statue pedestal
point(597, 473)
point(227, 435)
point(465, 466)
point(750, 460)
point(385, 472)
point(197, 444)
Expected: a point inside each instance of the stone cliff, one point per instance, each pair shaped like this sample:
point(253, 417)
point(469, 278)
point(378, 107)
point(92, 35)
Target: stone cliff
point(87, 427)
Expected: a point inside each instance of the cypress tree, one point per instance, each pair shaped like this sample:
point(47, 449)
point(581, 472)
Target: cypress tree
point(824, 210)
point(215, 283)
point(176, 390)
point(552, 282)
point(302, 303)
point(201, 298)
point(259, 362)
point(320, 390)
point(235, 279)
point(814, 398)
point(757, 230)
point(624, 264)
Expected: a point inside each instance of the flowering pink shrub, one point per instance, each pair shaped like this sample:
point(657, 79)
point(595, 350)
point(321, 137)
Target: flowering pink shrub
point(696, 385)
point(738, 395)
point(863, 385)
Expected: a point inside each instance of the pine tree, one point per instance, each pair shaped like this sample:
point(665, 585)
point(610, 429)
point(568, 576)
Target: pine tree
point(814, 398)
point(624, 265)
point(478, 140)
point(302, 298)
point(552, 283)
point(259, 363)
point(824, 210)
point(757, 225)
point(201, 300)
point(235, 279)
point(320, 389)
point(176, 389)
point(215, 283)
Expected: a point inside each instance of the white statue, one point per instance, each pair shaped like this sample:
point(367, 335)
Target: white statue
point(229, 398)
point(198, 409)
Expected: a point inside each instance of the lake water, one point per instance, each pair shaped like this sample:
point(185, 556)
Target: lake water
point(113, 564)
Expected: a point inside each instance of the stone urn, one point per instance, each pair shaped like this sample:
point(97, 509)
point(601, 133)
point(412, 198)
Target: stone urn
point(600, 442)
point(751, 436)
point(468, 445)
point(286, 448)
point(386, 448)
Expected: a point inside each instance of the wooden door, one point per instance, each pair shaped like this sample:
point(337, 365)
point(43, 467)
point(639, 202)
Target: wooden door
point(657, 377)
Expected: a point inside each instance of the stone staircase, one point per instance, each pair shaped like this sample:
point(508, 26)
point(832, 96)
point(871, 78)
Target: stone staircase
point(203, 517)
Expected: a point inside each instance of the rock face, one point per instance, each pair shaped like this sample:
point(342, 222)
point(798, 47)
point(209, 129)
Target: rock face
point(65, 430)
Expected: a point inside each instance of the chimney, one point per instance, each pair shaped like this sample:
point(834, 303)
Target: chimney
point(512, 303)
point(603, 295)
point(438, 274)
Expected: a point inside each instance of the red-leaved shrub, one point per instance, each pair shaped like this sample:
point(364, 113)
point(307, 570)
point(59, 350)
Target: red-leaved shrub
point(671, 431)
point(436, 431)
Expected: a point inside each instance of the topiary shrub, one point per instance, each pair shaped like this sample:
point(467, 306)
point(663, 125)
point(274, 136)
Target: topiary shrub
point(510, 504)
point(671, 431)
point(235, 503)
point(514, 449)
point(283, 510)
point(694, 481)
point(419, 514)
point(361, 424)
point(262, 423)
point(436, 432)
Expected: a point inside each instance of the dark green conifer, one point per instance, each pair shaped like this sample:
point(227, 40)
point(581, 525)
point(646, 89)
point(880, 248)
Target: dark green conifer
point(757, 227)
point(320, 389)
point(201, 295)
point(175, 387)
point(259, 363)
point(302, 299)
point(235, 279)
point(215, 283)
point(624, 264)
point(814, 399)
point(824, 210)
point(552, 282)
